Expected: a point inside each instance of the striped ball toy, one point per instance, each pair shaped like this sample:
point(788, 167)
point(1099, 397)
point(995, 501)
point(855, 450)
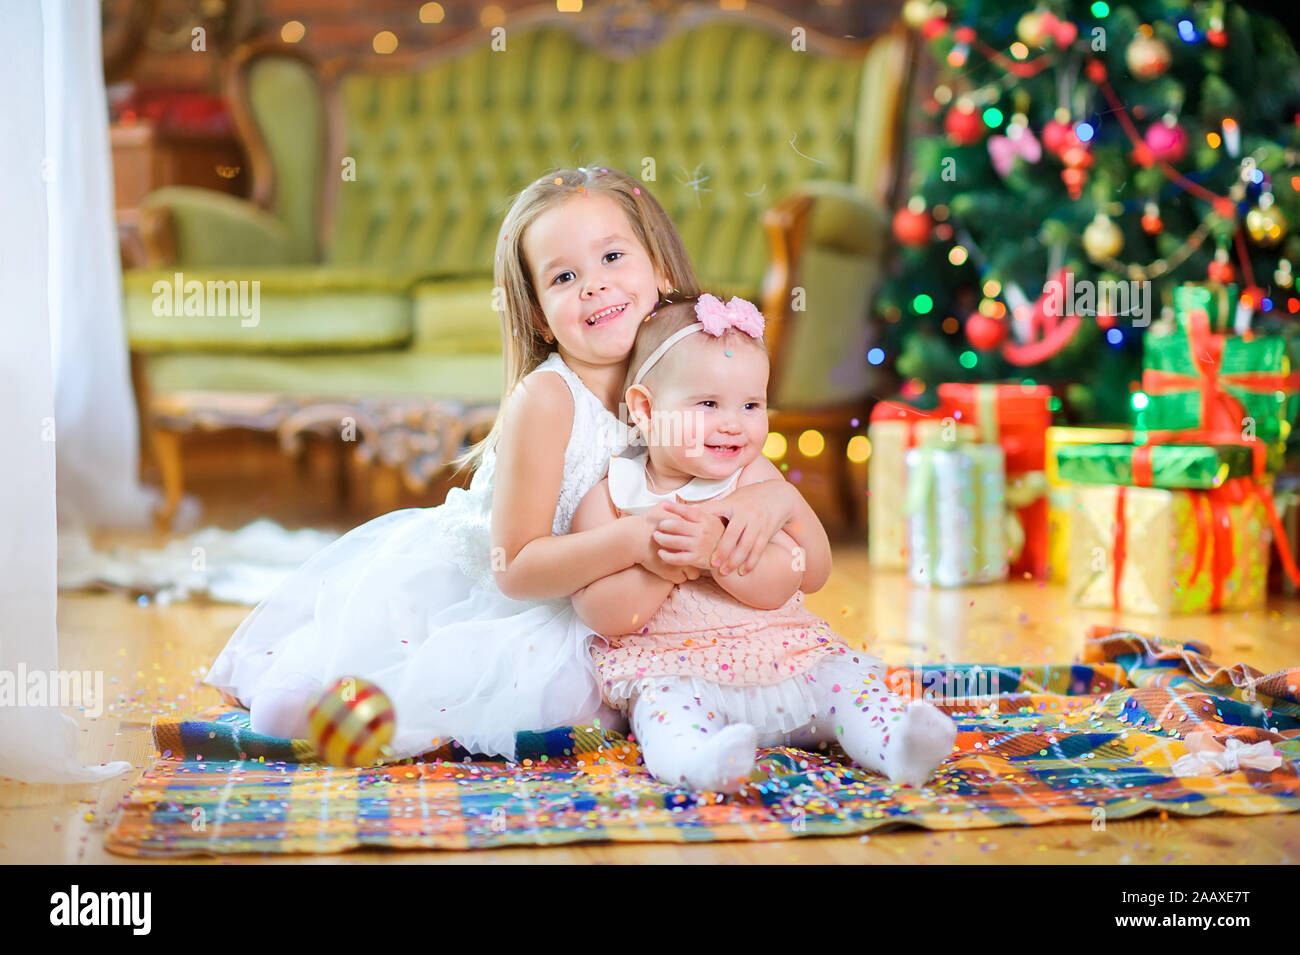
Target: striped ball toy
point(352, 723)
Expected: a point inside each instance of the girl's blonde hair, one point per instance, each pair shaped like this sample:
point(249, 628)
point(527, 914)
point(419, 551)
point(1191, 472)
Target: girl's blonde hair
point(522, 321)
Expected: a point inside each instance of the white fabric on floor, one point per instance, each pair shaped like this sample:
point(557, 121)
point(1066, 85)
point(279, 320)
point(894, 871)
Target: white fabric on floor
point(239, 567)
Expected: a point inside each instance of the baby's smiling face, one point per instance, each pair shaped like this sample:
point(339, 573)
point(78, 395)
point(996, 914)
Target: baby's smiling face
point(708, 398)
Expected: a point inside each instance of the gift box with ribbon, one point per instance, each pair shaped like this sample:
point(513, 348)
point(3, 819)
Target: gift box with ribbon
point(1216, 300)
point(1154, 465)
point(1060, 500)
point(1218, 386)
point(956, 508)
point(1164, 551)
point(891, 432)
point(1016, 417)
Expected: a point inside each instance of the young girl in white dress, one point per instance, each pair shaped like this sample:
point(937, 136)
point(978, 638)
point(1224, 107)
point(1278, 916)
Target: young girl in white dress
point(461, 612)
point(712, 667)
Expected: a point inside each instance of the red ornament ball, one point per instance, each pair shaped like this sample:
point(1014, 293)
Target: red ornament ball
point(963, 124)
point(912, 228)
point(1057, 137)
point(985, 333)
point(1078, 157)
point(1152, 224)
point(934, 27)
point(1074, 178)
point(1105, 320)
point(1217, 38)
point(1168, 143)
point(1221, 272)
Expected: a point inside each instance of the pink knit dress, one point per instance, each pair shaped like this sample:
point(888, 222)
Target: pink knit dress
point(756, 666)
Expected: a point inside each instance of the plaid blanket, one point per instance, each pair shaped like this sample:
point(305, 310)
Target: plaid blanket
point(1080, 741)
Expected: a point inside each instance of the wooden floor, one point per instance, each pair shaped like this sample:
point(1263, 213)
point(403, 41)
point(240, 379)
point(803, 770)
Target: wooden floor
point(155, 656)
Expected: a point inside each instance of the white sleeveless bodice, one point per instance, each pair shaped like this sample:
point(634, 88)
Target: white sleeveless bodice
point(596, 436)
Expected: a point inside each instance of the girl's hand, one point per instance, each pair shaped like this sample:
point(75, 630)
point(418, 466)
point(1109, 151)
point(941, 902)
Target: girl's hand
point(689, 537)
point(753, 514)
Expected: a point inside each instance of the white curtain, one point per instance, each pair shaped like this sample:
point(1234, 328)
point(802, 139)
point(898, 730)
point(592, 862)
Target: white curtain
point(60, 293)
point(97, 447)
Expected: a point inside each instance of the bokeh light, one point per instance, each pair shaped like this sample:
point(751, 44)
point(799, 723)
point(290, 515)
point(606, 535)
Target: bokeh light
point(859, 448)
point(774, 447)
point(811, 443)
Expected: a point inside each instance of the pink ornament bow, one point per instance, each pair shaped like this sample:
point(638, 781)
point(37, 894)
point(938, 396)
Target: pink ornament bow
point(717, 317)
point(1208, 757)
point(1003, 151)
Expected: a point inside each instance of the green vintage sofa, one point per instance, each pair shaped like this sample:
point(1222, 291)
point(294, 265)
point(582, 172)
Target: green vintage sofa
point(379, 185)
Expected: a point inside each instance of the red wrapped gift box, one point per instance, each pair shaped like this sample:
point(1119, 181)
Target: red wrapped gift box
point(1017, 418)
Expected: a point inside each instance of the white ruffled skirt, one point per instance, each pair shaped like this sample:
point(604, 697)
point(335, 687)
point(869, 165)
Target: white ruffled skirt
point(391, 601)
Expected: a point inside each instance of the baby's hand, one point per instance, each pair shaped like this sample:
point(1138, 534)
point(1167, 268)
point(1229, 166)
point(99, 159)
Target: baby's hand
point(672, 569)
point(689, 536)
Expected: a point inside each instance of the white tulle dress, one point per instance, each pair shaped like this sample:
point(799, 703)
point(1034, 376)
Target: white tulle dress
point(408, 601)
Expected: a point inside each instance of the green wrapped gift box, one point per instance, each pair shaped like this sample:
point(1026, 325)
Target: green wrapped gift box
point(1172, 465)
point(1252, 386)
point(1217, 301)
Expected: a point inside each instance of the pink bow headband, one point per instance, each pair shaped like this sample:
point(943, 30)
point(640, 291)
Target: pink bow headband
point(715, 317)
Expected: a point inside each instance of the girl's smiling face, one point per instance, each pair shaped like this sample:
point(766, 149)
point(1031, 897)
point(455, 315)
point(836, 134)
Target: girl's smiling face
point(594, 280)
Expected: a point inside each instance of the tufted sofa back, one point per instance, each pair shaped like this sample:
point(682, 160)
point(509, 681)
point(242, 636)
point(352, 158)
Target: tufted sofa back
point(725, 116)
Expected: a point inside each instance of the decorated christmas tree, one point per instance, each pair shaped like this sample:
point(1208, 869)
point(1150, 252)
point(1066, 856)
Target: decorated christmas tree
point(1088, 159)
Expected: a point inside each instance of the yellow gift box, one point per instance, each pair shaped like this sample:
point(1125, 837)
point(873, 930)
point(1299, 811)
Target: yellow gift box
point(1060, 501)
point(1157, 551)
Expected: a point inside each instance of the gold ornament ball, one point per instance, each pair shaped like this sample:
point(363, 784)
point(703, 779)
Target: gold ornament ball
point(352, 723)
point(1266, 225)
point(1102, 239)
point(1147, 56)
point(915, 13)
point(1030, 29)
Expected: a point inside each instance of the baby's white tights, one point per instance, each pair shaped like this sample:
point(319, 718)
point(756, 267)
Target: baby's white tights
point(685, 742)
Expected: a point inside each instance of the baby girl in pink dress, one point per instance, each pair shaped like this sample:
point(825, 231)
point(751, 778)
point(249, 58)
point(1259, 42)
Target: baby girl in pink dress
point(714, 667)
